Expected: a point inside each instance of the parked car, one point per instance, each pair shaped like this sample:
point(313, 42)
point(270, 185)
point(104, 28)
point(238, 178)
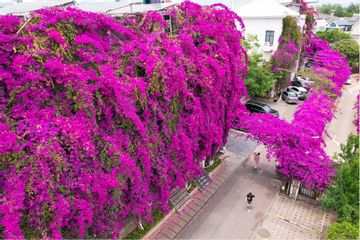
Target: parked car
point(257, 107)
point(301, 83)
point(306, 79)
point(299, 91)
point(290, 97)
point(349, 80)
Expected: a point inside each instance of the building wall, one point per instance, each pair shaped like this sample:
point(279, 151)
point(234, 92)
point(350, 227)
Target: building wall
point(355, 33)
point(259, 27)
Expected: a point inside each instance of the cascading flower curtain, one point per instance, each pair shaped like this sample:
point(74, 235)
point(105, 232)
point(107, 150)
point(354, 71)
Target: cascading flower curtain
point(101, 117)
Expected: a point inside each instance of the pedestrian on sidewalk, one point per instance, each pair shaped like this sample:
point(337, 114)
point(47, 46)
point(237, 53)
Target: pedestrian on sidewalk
point(249, 199)
point(257, 159)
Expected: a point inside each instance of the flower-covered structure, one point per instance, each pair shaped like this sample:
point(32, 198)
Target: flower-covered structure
point(101, 118)
point(298, 147)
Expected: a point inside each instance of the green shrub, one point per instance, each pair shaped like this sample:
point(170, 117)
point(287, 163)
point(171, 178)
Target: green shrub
point(344, 230)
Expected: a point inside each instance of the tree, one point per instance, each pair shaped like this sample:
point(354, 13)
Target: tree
point(259, 79)
point(339, 10)
point(352, 8)
point(342, 230)
point(332, 36)
point(349, 48)
point(343, 195)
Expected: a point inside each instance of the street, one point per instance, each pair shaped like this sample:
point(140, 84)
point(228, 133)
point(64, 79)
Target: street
point(226, 216)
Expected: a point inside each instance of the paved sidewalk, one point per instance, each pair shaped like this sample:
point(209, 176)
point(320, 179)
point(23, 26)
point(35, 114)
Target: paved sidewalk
point(291, 219)
point(237, 151)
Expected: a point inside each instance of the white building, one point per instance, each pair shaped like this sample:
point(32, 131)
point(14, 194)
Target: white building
point(320, 25)
point(355, 32)
point(264, 18)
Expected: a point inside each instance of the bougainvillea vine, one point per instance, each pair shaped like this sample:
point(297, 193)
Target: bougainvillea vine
point(101, 117)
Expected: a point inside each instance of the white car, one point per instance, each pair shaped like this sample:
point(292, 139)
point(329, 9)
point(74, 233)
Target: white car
point(300, 91)
point(349, 80)
point(306, 79)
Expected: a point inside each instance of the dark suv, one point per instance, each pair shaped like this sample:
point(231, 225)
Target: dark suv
point(257, 107)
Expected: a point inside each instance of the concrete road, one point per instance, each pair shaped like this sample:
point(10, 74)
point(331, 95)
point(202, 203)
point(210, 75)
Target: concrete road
point(226, 216)
point(339, 129)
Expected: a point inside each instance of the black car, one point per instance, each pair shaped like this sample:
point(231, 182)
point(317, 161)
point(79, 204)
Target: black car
point(257, 107)
point(301, 83)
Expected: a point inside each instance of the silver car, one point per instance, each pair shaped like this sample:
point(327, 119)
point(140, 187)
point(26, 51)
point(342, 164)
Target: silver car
point(349, 80)
point(306, 79)
point(290, 97)
point(300, 91)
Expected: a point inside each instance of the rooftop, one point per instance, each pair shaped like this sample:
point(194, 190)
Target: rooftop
point(26, 8)
point(342, 22)
point(265, 9)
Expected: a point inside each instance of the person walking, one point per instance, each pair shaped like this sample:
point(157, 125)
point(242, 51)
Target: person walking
point(257, 159)
point(249, 197)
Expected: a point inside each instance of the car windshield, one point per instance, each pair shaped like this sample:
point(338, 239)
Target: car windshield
point(266, 108)
point(291, 94)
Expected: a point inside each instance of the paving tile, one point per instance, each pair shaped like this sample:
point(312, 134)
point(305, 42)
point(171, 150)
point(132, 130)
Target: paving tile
point(280, 229)
point(175, 227)
point(190, 211)
point(211, 190)
point(218, 182)
point(195, 207)
point(202, 199)
point(168, 233)
point(207, 194)
point(179, 222)
point(299, 212)
point(185, 217)
point(159, 236)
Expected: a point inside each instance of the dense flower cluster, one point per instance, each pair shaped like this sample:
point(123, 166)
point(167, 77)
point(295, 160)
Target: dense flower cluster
point(296, 146)
point(328, 63)
point(101, 118)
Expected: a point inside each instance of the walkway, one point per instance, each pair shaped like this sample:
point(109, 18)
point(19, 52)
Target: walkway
point(237, 151)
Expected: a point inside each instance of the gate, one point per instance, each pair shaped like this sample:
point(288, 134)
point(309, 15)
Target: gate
point(311, 193)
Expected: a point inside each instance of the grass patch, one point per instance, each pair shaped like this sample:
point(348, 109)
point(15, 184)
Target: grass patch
point(215, 164)
point(193, 185)
point(138, 233)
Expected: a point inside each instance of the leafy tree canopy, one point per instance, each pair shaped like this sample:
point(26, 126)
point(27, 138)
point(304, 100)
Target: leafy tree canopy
point(343, 194)
point(349, 48)
point(332, 36)
point(339, 10)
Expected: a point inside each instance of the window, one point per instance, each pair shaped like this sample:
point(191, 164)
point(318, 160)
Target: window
point(266, 108)
point(270, 37)
point(333, 25)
